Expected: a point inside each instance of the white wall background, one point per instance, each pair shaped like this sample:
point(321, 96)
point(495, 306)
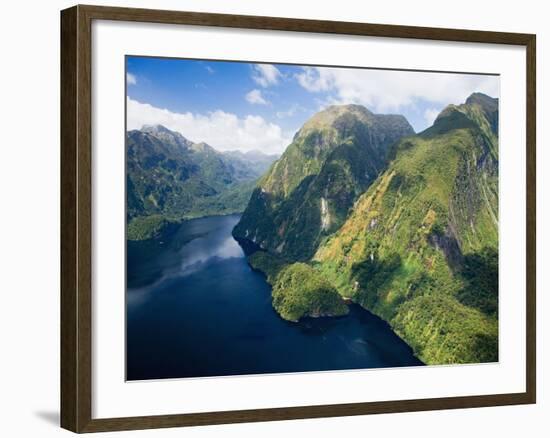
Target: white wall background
point(29, 194)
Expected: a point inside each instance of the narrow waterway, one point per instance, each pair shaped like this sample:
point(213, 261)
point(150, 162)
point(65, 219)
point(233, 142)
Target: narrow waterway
point(195, 308)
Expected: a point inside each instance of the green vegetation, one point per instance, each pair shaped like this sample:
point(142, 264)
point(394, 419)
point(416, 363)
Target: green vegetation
point(268, 264)
point(170, 178)
point(447, 332)
point(307, 194)
point(231, 200)
point(419, 248)
point(416, 243)
point(299, 291)
point(480, 274)
point(357, 208)
point(146, 227)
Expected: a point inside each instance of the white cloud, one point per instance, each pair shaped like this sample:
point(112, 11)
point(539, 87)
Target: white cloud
point(294, 109)
point(390, 90)
point(431, 114)
point(131, 79)
point(210, 69)
point(266, 74)
point(255, 97)
point(315, 79)
point(221, 130)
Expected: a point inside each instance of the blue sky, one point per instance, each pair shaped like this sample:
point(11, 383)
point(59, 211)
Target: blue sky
point(246, 106)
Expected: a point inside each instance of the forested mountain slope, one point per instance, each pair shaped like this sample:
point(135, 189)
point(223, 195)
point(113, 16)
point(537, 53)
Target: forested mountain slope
point(169, 178)
point(412, 228)
point(420, 248)
point(308, 192)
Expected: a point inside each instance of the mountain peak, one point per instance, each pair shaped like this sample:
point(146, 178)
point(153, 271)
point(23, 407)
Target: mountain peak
point(479, 111)
point(157, 128)
point(329, 115)
point(309, 190)
point(163, 133)
point(488, 103)
point(350, 107)
point(202, 147)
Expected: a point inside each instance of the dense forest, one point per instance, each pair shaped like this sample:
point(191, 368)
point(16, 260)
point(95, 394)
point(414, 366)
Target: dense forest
point(360, 208)
point(169, 179)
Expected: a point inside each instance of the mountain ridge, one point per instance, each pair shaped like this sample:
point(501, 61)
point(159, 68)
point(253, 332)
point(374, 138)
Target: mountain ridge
point(170, 178)
point(418, 246)
point(334, 156)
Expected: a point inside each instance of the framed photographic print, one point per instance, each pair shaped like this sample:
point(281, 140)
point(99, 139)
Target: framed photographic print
point(268, 218)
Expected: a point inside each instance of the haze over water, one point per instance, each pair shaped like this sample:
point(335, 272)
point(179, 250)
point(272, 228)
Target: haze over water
point(195, 308)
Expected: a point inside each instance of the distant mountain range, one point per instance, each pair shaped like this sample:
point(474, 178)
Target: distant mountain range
point(170, 178)
point(360, 208)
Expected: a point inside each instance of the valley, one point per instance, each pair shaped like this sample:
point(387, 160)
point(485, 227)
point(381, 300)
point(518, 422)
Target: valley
point(359, 210)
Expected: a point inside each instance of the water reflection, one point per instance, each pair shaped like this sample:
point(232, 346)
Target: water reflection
point(207, 248)
point(196, 308)
point(187, 251)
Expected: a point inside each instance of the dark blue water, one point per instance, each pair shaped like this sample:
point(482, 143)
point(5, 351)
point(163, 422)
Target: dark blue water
point(195, 308)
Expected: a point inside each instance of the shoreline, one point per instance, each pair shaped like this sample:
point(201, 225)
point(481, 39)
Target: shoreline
point(350, 303)
point(166, 229)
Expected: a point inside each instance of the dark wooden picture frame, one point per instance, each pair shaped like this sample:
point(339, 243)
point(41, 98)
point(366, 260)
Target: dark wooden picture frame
point(76, 217)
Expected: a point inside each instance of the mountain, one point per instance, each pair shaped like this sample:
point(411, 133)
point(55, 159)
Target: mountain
point(420, 247)
point(169, 178)
point(415, 241)
point(252, 163)
point(307, 193)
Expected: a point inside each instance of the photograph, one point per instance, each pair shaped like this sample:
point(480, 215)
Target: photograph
point(267, 219)
point(286, 218)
